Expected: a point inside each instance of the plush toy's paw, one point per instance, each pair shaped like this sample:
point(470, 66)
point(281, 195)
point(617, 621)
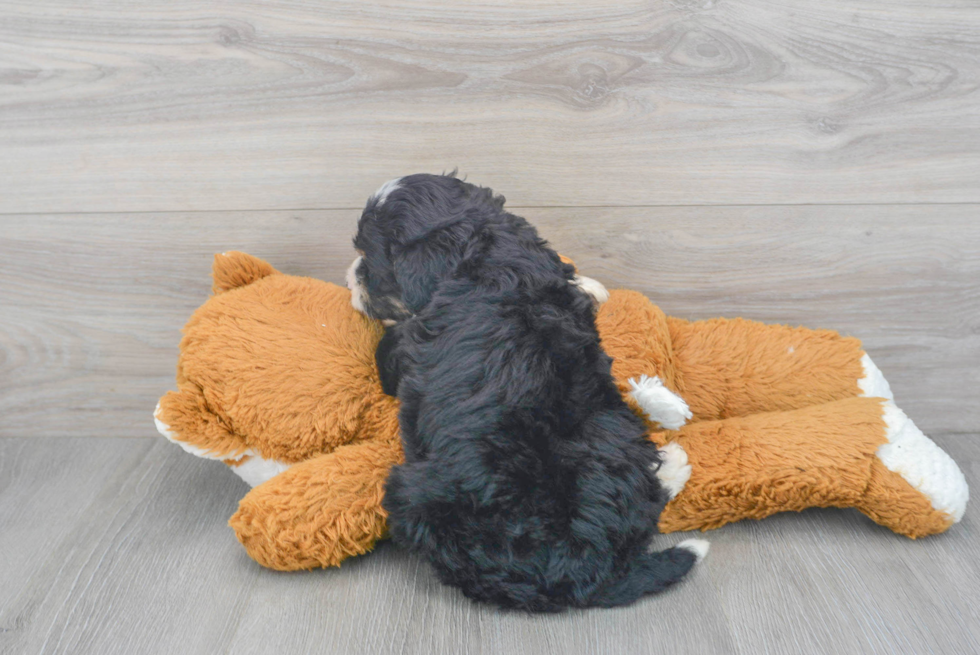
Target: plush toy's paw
point(247, 464)
point(873, 384)
point(173, 437)
point(255, 470)
point(319, 512)
point(594, 288)
point(923, 464)
point(661, 405)
point(674, 471)
point(913, 455)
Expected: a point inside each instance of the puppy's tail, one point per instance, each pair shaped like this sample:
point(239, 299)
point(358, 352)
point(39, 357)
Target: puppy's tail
point(650, 573)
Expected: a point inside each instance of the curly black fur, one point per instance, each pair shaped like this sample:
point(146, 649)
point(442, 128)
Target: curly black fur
point(527, 481)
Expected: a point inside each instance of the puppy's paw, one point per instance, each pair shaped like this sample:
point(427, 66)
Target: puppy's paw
point(661, 405)
point(594, 288)
point(674, 471)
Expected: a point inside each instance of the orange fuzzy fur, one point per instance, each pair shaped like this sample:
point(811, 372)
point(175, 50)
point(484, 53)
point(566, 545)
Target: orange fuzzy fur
point(283, 367)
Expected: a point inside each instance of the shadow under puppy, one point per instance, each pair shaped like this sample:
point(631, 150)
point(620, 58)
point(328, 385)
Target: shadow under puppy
point(527, 481)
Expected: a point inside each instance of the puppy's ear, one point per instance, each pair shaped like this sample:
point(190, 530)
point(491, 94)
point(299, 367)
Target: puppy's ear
point(429, 259)
point(388, 361)
point(418, 271)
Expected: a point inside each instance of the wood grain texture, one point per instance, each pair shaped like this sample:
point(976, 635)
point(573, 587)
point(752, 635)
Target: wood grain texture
point(93, 305)
point(132, 105)
point(120, 546)
point(116, 546)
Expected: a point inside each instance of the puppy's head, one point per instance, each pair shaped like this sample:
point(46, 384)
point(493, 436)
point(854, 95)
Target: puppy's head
point(413, 233)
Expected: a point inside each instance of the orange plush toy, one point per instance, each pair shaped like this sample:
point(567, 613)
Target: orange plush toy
point(277, 379)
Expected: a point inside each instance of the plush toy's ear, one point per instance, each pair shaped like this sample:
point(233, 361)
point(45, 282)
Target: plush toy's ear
point(235, 269)
point(566, 260)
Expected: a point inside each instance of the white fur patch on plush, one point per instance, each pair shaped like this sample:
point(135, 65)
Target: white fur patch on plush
point(356, 292)
point(923, 464)
point(661, 405)
point(873, 384)
point(256, 470)
point(385, 190)
point(594, 288)
point(674, 471)
point(697, 546)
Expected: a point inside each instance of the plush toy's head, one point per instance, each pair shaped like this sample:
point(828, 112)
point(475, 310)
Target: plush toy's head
point(275, 369)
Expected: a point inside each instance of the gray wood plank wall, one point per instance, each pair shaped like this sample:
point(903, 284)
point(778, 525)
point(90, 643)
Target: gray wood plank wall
point(93, 304)
point(132, 105)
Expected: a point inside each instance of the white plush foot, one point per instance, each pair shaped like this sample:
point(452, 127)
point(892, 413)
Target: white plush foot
point(697, 546)
point(661, 405)
point(873, 384)
point(674, 471)
point(594, 288)
point(165, 430)
point(923, 464)
point(256, 470)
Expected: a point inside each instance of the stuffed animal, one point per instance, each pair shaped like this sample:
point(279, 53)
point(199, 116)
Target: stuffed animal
point(277, 379)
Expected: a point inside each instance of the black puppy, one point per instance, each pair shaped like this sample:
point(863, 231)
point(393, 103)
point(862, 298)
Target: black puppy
point(527, 482)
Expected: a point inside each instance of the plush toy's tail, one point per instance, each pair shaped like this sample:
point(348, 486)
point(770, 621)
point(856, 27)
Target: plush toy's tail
point(235, 269)
point(650, 573)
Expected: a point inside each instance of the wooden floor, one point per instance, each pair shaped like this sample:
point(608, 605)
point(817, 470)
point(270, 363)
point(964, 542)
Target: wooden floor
point(120, 546)
point(797, 162)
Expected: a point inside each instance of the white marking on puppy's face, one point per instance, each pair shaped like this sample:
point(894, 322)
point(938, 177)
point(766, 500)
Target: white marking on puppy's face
point(360, 299)
point(357, 292)
point(385, 190)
